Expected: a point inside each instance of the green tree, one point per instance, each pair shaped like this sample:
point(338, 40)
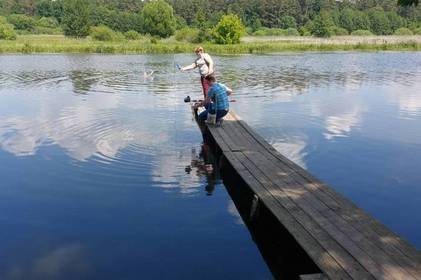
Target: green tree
point(271, 11)
point(229, 30)
point(286, 22)
point(158, 19)
point(48, 8)
point(76, 18)
point(200, 19)
point(346, 19)
point(361, 21)
point(379, 23)
point(21, 22)
point(7, 32)
point(408, 2)
point(395, 21)
point(321, 26)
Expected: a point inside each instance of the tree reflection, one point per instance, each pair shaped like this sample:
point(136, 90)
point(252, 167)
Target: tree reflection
point(83, 80)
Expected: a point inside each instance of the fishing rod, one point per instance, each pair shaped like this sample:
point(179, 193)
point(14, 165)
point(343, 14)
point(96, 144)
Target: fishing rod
point(187, 99)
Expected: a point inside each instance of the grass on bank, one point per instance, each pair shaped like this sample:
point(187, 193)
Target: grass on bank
point(145, 45)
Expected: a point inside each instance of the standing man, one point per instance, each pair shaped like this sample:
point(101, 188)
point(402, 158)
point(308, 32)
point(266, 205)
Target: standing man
point(205, 65)
point(216, 100)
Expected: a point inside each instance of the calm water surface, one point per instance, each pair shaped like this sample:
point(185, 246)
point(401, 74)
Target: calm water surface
point(93, 157)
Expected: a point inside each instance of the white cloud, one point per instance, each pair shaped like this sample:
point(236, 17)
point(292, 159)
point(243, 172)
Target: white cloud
point(340, 125)
point(67, 262)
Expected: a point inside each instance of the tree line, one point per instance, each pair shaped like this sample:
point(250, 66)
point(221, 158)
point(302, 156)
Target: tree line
point(163, 17)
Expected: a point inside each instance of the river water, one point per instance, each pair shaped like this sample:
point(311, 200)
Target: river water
point(101, 173)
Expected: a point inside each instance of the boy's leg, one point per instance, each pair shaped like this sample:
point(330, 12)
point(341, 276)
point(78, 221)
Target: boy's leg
point(203, 116)
point(220, 114)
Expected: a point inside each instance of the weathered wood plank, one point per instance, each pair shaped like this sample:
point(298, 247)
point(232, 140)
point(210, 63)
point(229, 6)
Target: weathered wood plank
point(313, 277)
point(347, 262)
point(369, 256)
point(342, 239)
point(392, 260)
point(400, 250)
point(389, 241)
point(304, 238)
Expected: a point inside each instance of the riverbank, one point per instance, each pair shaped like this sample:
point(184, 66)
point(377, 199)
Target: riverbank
point(61, 44)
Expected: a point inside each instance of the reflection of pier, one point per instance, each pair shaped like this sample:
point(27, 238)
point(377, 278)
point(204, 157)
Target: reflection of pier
point(302, 226)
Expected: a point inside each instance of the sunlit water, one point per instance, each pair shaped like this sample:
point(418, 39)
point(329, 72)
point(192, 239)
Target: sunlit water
point(93, 155)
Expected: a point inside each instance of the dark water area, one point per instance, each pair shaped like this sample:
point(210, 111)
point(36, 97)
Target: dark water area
point(101, 173)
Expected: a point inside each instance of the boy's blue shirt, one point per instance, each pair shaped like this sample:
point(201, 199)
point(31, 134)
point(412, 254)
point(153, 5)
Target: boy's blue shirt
point(218, 93)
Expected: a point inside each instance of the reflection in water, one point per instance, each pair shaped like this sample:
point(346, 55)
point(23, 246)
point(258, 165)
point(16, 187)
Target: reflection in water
point(205, 164)
point(294, 149)
point(83, 80)
point(341, 125)
point(67, 262)
point(106, 167)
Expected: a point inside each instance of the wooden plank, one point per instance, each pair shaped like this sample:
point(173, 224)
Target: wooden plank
point(362, 234)
point(318, 276)
point(347, 262)
point(321, 257)
point(404, 253)
point(393, 260)
point(369, 256)
point(280, 179)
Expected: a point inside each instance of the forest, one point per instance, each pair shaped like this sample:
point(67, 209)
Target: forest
point(195, 20)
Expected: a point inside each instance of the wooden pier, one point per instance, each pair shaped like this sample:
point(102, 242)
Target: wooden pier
point(340, 238)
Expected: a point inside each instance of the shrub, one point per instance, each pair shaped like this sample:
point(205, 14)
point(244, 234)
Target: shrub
point(21, 22)
point(395, 21)
point(259, 32)
point(228, 30)
point(49, 22)
point(379, 23)
point(320, 27)
point(187, 34)
point(158, 19)
point(304, 31)
point(249, 30)
point(104, 33)
point(403, 31)
point(204, 35)
point(292, 32)
point(362, 33)
point(346, 19)
point(76, 18)
point(46, 30)
point(361, 21)
point(7, 32)
point(286, 22)
point(417, 31)
point(3, 20)
point(338, 31)
point(264, 31)
point(132, 35)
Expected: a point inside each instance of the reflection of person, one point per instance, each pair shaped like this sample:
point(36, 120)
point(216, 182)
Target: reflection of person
point(203, 163)
point(205, 65)
point(218, 96)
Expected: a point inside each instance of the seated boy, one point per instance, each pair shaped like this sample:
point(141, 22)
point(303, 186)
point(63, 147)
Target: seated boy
point(216, 100)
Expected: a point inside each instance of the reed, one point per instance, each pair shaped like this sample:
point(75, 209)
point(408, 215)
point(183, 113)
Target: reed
point(145, 45)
